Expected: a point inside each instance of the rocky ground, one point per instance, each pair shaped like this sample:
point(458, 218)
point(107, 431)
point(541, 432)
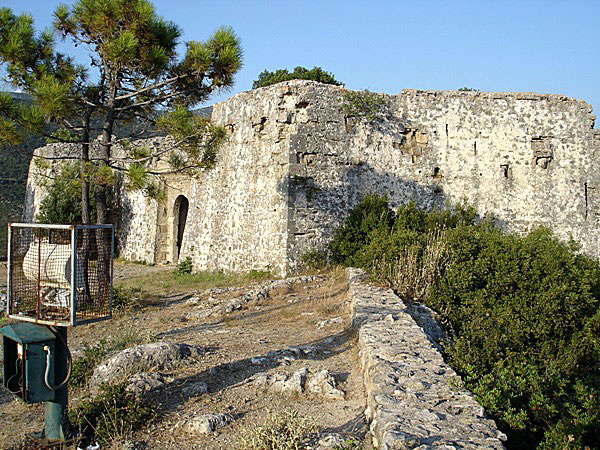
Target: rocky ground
point(220, 360)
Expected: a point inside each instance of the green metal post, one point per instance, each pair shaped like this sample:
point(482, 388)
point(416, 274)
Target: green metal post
point(57, 427)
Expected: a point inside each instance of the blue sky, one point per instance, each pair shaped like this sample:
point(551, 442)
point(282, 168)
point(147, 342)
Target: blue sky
point(386, 46)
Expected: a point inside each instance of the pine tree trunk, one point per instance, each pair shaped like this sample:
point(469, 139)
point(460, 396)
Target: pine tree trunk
point(86, 244)
point(104, 249)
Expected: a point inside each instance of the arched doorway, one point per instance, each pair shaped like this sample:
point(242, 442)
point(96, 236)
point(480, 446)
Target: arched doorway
point(180, 214)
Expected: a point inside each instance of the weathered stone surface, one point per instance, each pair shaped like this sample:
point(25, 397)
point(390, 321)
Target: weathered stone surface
point(330, 441)
point(216, 307)
point(195, 389)
point(411, 402)
point(323, 384)
point(332, 321)
point(145, 382)
point(281, 383)
point(207, 423)
point(294, 165)
point(141, 358)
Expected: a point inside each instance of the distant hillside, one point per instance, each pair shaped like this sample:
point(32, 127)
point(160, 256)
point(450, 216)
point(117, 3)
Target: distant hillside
point(13, 178)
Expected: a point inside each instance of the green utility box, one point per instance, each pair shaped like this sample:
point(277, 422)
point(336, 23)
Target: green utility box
point(25, 355)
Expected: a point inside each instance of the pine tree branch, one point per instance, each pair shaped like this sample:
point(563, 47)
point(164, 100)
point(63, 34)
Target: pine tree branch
point(154, 86)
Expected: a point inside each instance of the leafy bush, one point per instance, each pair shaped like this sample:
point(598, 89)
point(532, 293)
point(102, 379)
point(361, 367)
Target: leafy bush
point(111, 416)
point(267, 78)
point(282, 431)
point(522, 312)
point(364, 104)
point(184, 267)
point(524, 316)
point(372, 215)
point(62, 204)
point(314, 260)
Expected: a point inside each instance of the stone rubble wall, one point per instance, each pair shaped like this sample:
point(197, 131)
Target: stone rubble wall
point(412, 396)
point(238, 212)
point(524, 159)
point(294, 164)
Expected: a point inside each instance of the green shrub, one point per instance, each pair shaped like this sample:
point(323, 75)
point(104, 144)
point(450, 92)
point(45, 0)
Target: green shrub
point(267, 78)
point(370, 216)
point(364, 104)
point(522, 313)
point(111, 416)
point(314, 260)
point(62, 204)
point(184, 267)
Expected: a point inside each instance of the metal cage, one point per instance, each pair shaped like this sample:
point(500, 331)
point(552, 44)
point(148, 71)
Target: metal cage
point(60, 274)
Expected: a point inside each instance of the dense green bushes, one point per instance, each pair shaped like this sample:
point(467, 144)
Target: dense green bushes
point(522, 312)
point(62, 204)
point(267, 78)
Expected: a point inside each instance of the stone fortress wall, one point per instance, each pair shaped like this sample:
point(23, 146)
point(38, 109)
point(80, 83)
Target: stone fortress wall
point(294, 165)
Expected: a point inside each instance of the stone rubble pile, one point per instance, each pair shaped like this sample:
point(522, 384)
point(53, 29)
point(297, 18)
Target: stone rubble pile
point(213, 306)
point(321, 384)
point(411, 399)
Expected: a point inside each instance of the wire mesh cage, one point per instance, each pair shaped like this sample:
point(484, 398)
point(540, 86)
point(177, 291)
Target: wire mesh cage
point(60, 274)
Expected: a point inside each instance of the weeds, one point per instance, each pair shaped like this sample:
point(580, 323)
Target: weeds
point(348, 444)
point(111, 416)
point(127, 298)
point(281, 431)
point(314, 260)
point(184, 267)
point(93, 355)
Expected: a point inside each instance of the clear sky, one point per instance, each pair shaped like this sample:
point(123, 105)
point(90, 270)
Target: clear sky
point(386, 46)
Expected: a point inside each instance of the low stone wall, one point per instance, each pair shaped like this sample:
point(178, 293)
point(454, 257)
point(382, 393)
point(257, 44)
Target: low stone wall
point(412, 401)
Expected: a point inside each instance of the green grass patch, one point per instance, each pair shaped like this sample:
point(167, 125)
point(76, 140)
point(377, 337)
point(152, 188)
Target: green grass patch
point(167, 282)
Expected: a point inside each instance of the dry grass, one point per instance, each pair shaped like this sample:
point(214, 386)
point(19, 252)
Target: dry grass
point(281, 430)
point(413, 274)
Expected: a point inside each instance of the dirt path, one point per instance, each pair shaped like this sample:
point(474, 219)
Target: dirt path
point(240, 345)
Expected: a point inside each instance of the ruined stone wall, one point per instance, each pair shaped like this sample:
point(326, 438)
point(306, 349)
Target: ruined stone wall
point(294, 164)
point(525, 159)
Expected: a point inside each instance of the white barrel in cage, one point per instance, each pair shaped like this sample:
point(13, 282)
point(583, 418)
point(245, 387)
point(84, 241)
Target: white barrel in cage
point(51, 263)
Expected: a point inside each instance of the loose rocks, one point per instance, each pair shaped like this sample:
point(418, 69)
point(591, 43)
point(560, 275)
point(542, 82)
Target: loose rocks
point(207, 423)
point(321, 384)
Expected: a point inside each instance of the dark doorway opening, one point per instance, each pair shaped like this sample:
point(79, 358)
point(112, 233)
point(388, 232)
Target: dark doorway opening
point(181, 211)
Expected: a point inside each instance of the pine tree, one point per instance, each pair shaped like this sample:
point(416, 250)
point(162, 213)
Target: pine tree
point(134, 73)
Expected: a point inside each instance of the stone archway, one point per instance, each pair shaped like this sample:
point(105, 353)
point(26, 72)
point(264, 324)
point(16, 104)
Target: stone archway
point(180, 212)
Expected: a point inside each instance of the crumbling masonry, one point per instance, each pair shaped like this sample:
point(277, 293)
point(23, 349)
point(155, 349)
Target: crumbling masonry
point(294, 164)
